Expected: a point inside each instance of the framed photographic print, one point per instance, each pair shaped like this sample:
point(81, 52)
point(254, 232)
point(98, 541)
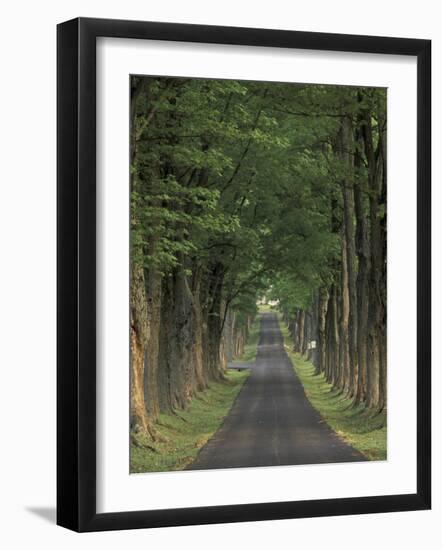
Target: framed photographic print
point(243, 274)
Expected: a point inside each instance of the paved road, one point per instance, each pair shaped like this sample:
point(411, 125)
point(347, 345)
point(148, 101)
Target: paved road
point(271, 422)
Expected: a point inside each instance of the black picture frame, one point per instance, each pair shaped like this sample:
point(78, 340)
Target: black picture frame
point(77, 287)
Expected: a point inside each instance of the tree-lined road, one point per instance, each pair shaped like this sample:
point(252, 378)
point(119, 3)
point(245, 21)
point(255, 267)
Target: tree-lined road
point(271, 422)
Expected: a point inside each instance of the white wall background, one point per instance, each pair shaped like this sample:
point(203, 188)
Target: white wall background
point(27, 273)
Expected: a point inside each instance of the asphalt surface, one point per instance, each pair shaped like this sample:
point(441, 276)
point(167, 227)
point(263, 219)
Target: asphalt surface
point(271, 422)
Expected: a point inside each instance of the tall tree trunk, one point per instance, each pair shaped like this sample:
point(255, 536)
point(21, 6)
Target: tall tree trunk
point(179, 378)
point(139, 329)
point(322, 335)
point(229, 335)
point(307, 334)
point(301, 332)
point(214, 324)
point(383, 282)
point(343, 379)
point(138, 337)
point(362, 292)
point(332, 354)
point(200, 374)
point(152, 349)
point(347, 148)
point(374, 325)
point(312, 354)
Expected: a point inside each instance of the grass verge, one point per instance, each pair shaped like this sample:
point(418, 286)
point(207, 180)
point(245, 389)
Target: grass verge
point(251, 346)
point(365, 431)
point(186, 432)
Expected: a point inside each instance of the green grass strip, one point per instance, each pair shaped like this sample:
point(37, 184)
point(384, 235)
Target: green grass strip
point(361, 428)
point(187, 431)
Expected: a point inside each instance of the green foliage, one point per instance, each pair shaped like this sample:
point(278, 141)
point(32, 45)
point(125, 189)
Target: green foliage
point(242, 175)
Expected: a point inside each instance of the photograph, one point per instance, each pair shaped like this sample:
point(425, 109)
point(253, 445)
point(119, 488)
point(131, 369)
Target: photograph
point(221, 256)
point(258, 274)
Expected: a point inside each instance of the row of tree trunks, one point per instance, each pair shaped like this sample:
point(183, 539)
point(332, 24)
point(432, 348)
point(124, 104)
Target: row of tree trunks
point(178, 344)
point(346, 321)
point(178, 338)
point(326, 344)
point(235, 334)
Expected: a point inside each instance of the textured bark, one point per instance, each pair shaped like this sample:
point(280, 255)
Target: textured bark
point(138, 337)
point(347, 146)
point(362, 293)
point(213, 324)
point(234, 335)
point(343, 378)
point(291, 325)
point(200, 374)
point(375, 314)
point(139, 329)
point(301, 332)
point(312, 333)
point(323, 298)
point(383, 282)
point(181, 347)
point(152, 348)
point(229, 335)
point(294, 330)
point(240, 339)
point(307, 332)
point(164, 366)
point(332, 334)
